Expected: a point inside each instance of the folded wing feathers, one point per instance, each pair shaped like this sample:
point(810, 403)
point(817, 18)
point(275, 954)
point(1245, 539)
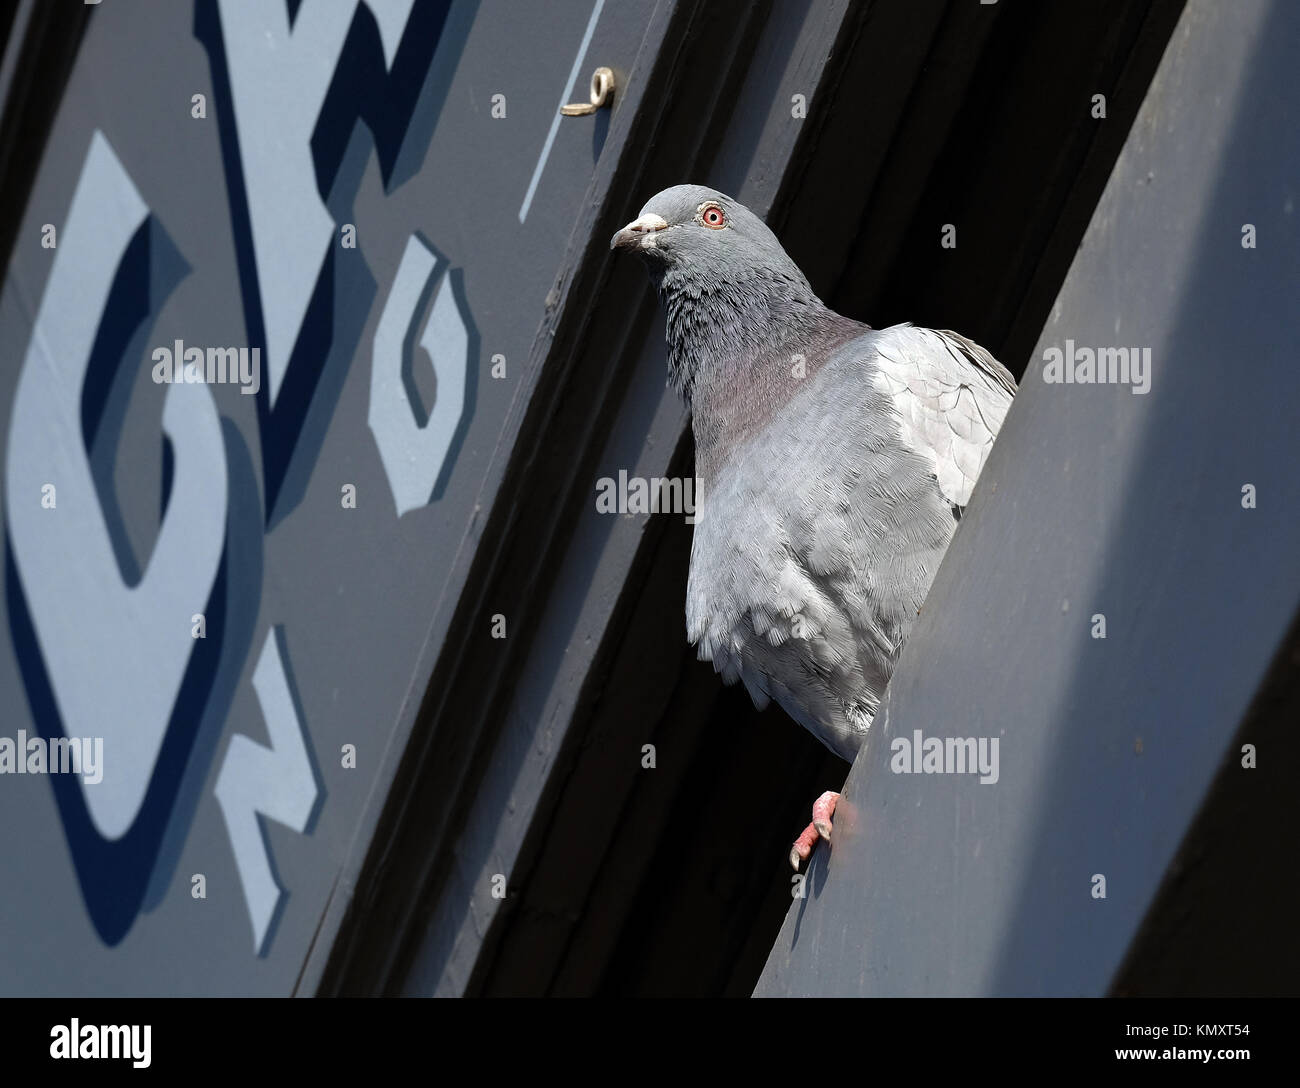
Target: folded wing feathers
point(951, 396)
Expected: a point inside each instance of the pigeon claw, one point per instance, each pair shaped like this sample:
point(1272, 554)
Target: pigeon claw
point(802, 847)
point(820, 828)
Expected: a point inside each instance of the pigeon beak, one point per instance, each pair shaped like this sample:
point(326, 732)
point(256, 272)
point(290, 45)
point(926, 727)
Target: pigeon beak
point(640, 233)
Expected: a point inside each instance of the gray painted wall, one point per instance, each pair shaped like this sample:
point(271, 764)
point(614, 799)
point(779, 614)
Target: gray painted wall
point(225, 756)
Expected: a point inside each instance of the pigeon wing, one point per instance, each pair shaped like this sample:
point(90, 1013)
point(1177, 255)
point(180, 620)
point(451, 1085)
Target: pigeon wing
point(951, 397)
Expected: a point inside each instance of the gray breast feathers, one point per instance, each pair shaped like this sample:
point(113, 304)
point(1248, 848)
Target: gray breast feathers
point(814, 549)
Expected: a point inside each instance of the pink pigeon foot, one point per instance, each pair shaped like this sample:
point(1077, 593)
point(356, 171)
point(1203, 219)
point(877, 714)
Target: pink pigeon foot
point(820, 828)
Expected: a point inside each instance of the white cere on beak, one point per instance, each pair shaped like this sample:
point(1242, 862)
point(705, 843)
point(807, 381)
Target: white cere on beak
point(648, 223)
point(641, 231)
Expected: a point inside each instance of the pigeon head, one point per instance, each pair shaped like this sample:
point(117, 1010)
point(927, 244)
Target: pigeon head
point(689, 224)
point(730, 292)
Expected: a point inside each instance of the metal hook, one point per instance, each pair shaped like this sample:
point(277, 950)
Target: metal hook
point(602, 89)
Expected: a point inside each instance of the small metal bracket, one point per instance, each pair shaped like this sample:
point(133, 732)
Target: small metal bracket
point(602, 91)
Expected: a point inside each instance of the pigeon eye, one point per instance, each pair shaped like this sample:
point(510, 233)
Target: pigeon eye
point(713, 217)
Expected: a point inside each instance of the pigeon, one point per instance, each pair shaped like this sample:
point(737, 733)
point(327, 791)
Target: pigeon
point(834, 459)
